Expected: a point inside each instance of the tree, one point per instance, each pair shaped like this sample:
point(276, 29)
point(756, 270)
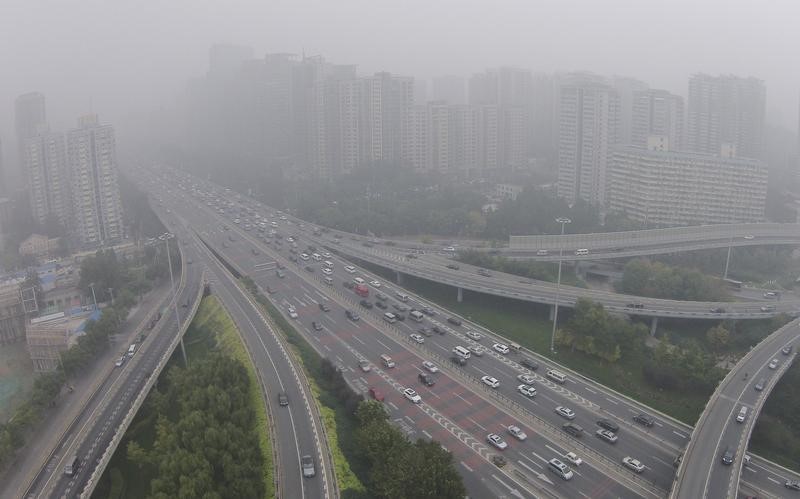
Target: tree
point(434, 473)
point(718, 338)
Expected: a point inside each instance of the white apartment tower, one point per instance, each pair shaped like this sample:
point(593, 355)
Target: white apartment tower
point(45, 164)
point(92, 161)
point(588, 114)
point(657, 112)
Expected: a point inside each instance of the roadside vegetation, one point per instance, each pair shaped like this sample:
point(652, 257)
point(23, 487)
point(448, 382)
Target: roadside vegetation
point(202, 429)
point(542, 271)
point(643, 277)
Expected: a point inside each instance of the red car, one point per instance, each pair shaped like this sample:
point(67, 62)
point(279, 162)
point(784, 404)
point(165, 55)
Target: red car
point(376, 394)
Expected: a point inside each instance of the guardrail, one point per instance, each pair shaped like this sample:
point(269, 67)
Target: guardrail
point(151, 380)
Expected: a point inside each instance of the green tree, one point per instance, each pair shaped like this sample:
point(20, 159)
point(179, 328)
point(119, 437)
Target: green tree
point(718, 338)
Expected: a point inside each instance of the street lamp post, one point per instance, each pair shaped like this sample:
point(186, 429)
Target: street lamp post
point(94, 297)
point(166, 237)
point(728, 260)
point(563, 221)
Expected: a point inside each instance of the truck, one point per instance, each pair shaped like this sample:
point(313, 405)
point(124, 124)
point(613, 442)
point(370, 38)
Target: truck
point(361, 290)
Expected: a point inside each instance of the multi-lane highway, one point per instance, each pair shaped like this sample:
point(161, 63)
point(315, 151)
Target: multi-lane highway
point(656, 446)
point(97, 426)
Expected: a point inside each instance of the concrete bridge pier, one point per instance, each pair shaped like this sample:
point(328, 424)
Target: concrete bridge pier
point(460, 296)
point(653, 326)
point(399, 278)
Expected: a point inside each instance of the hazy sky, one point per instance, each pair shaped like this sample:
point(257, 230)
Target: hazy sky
point(113, 56)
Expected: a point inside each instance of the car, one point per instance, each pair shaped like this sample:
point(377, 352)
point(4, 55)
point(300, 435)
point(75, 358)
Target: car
point(326, 255)
point(428, 310)
point(376, 394)
point(439, 330)
point(426, 379)
point(608, 425)
point(365, 366)
point(458, 360)
point(454, 321)
point(352, 315)
point(476, 350)
point(633, 464)
point(350, 269)
point(366, 304)
point(773, 364)
point(283, 399)
point(573, 458)
point(375, 284)
point(500, 348)
point(307, 463)
point(749, 237)
point(768, 308)
point(760, 385)
point(473, 335)
point(517, 432)
point(792, 485)
point(400, 307)
point(400, 317)
point(541, 252)
point(120, 361)
point(786, 350)
point(490, 381)
point(381, 305)
point(349, 284)
point(425, 332)
point(573, 429)
point(452, 266)
point(565, 412)
point(497, 441)
point(324, 307)
point(727, 456)
point(644, 419)
point(527, 390)
point(529, 364)
point(417, 338)
point(412, 395)
point(770, 294)
point(292, 312)
point(316, 325)
point(430, 366)
point(526, 378)
point(310, 268)
point(717, 310)
point(327, 271)
point(381, 296)
point(484, 273)
point(606, 435)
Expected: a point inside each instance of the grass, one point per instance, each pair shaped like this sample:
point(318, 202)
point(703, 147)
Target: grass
point(210, 329)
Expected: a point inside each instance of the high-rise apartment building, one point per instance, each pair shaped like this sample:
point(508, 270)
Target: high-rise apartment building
point(416, 149)
point(726, 109)
point(451, 89)
point(29, 118)
point(92, 163)
point(656, 186)
point(626, 88)
point(387, 102)
point(657, 112)
point(47, 177)
point(588, 114)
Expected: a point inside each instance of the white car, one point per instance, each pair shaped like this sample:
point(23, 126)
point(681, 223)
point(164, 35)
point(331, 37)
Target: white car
point(375, 284)
point(573, 458)
point(773, 364)
point(418, 338)
point(565, 412)
point(292, 312)
point(473, 335)
point(364, 365)
point(500, 348)
point(350, 269)
point(476, 350)
point(326, 255)
point(430, 366)
point(517, 432)
point(412, 395)
point(490, 381)
point(327, 271)
point(633, 464)
point(527, 390)
point(526, 378)
point(497, 441)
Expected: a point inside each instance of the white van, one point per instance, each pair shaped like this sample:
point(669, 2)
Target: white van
point(328, 281)
point(742, 414)
point(560, 469)
point(132, 350)
point(304, 257)
point(390, 317)
point(327, 264)
point(402, 296)
point(582, 252)
point(461, 352)
point(417, 315)
point(387, 361)
point(556, 376)
point(358, 280)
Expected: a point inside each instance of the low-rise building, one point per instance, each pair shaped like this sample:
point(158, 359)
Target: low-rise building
point(508, 191)
point(39, 246)
point(12, 314)
point(50, 335)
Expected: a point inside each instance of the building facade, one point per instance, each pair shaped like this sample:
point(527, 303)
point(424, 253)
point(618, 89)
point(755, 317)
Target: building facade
point(657, 112)
point(92, 163)
point(656, 186)
point(47, 178)
point(29, 118)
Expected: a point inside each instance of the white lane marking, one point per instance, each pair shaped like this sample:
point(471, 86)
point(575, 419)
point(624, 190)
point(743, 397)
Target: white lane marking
point(467, 467)
point(387, 347)
point(612, 401)
point(311, 299)
point(514, 492)
point(772, 479)
point(392, 405)
point(326, 347)
point(427, 434)
point(540, 457)
point(409, 419)
point(679, 434)
point(477, 424)
point(301, 302)
point(590, 390)
point(481, 370)
point(358, 340)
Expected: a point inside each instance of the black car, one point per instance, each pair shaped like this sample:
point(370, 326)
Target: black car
point(317, 326)
point(459, 361)
point(348, 284)
point(309, 268)
point(728, 456)
point(283, 399)
point(452, 266)
point(366, 304)
point(644, 419)
point(426, 379)
point(439, 330)
point(608, 425)
point(400, 317)
point(353, 316)
point(381, 305)
point(454, 321)
point(572, 429)
point(529, 364)
point(324, 307)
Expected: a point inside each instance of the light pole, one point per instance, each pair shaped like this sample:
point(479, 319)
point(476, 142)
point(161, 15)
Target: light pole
point(563, 221)
point(166, 237)
point(728, 260)
point(94, 297)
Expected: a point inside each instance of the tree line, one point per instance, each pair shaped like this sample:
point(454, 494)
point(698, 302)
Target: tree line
point(643, 277)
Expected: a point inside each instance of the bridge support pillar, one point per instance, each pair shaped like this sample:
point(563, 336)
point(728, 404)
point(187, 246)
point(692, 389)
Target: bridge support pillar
point(460, 296)
point(653, 326)
point(552, 312)
point(399, 278)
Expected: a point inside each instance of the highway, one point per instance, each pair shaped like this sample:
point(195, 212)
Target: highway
point(94, 430)
point(668, 437)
